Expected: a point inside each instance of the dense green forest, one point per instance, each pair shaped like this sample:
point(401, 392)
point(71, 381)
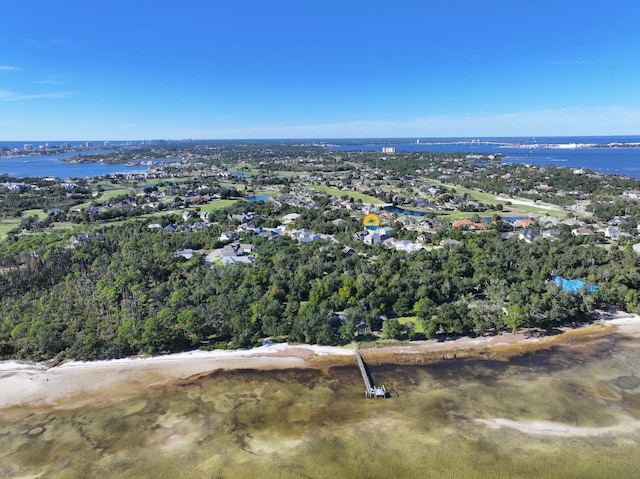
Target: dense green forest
point(106, 286)
point(125, 291)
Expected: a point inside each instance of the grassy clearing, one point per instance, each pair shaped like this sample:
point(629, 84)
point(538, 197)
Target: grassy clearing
point(539, 211)
point(64, 225)
point(35, 212)
point(156, 181)
point(458, 215)
point(81, 206)
point(160, 214)
point(488, 198)
point(463, 215)
point(479, 196)
point(7, 225)
point(351, 194)
point(107, 195)
point(247, 169)
point(237, 186)
point(412, 320)
point(476, 195)
point(218, 204)
point(504, 214)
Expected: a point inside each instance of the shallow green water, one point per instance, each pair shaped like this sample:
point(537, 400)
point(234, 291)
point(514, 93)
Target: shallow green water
point(306, 423)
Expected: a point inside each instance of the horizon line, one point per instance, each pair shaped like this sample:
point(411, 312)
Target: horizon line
point(324, 139)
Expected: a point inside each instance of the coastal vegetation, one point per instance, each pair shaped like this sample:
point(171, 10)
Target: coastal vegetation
point(92, 268)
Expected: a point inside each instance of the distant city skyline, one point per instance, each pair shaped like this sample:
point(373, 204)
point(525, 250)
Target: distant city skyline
point(291, 69)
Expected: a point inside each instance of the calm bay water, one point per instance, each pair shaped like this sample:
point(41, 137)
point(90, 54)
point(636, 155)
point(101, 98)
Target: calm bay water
point(310, 423)
point(52, 165)
point(536, 151)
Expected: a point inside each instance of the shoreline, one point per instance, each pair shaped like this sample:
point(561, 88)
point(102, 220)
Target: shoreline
point(75, 383)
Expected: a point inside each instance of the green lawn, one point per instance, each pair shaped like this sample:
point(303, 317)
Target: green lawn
point(156, 181)
point(245, 168)
point(65, 225)
point(237, 186)
point(417, 326)
point(248, 171)
point(35, 212)
point(160, 213)
point(512, 211)
point(539, 211)
point(81, 206)
point(218, 204)
point(476, 195)
point(106, 195)
point(488, 198)
point(214, 205)
point(7, 225)
point(351, 194)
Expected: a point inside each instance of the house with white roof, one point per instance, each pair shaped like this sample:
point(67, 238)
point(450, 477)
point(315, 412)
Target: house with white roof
point(186, 253)
point(290, 218)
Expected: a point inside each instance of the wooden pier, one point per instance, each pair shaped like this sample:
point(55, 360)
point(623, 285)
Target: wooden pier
point(370, 389)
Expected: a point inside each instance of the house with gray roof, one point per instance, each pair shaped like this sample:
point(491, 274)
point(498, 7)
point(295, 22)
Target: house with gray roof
point(529, 235)
point(229, 260)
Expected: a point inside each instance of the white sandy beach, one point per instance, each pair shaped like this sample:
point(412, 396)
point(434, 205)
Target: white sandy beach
point(75, 383)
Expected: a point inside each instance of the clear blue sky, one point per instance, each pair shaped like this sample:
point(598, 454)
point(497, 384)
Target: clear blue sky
point(141, 69)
